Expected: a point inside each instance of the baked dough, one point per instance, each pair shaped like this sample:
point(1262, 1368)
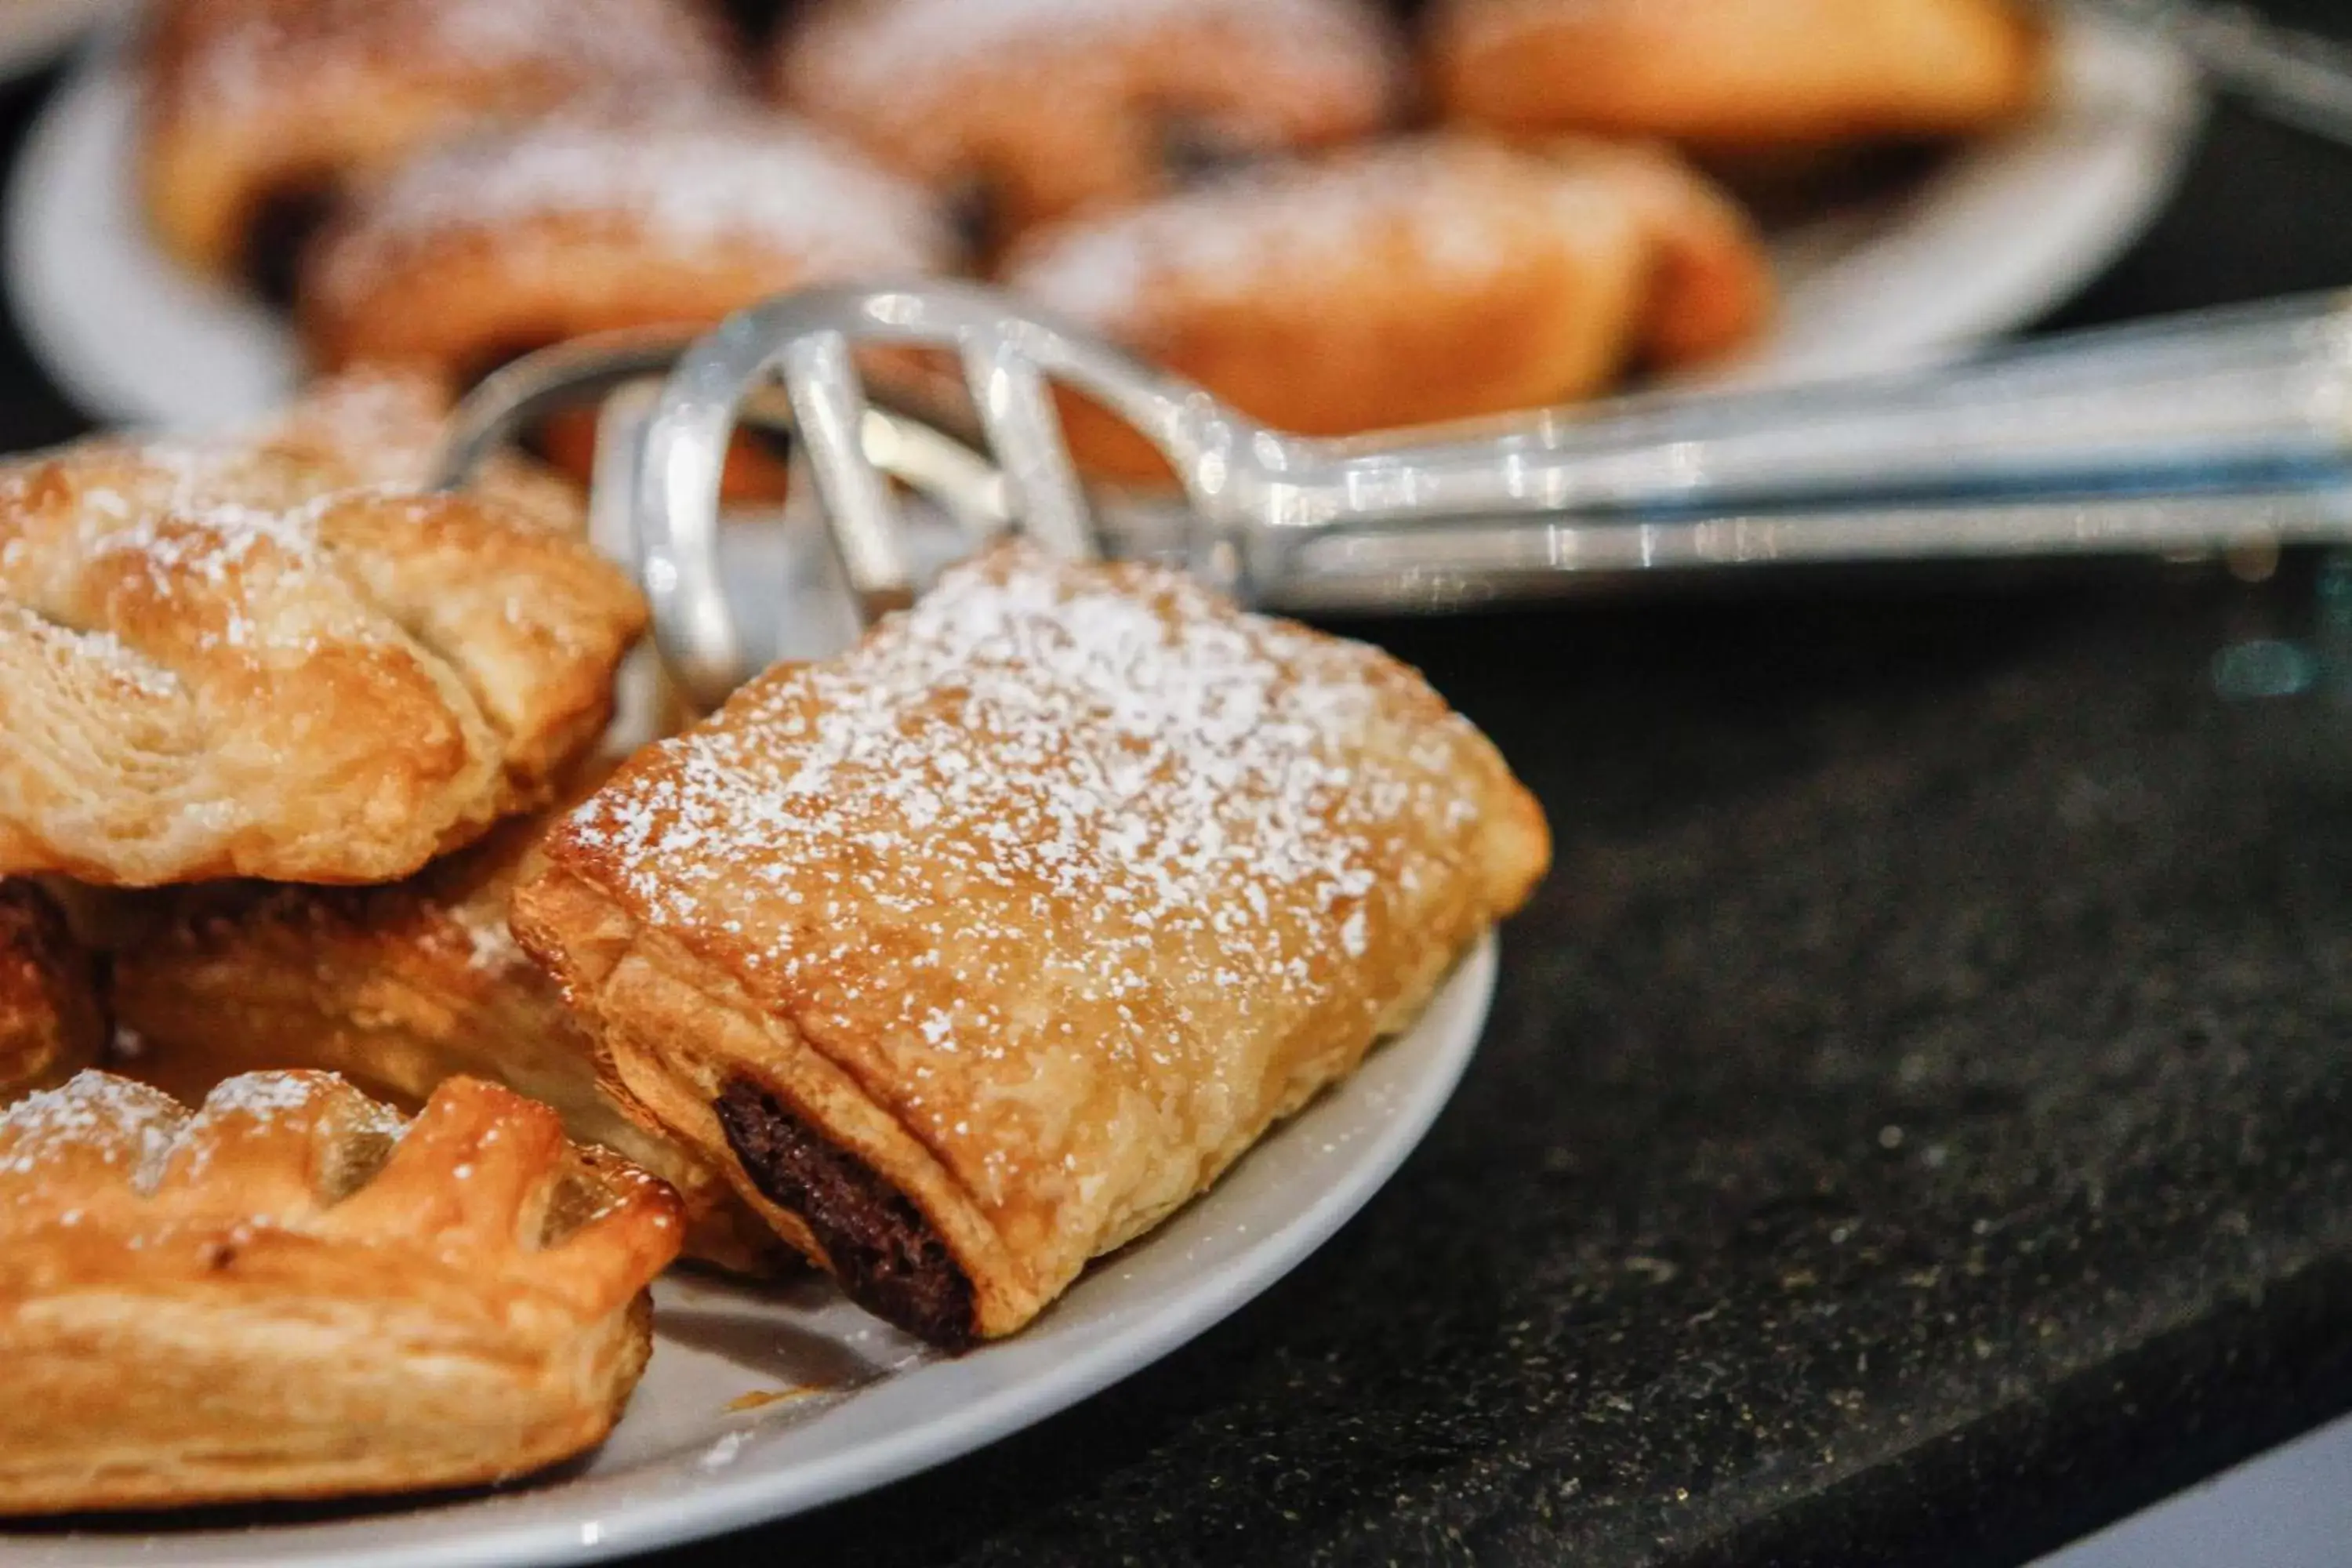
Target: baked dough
point(51, 1025)
point(1711, 293)
point(258, 111)
point(473, 255)
point(215, 660)
point(1405, 284)
point(975, 951)
point(293, 1294)
point(1738, 74)
point(398, 989)
point(1043, 107)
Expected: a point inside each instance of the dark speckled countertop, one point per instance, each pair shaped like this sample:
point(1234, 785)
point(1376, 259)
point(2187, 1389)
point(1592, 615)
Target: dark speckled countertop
point(1914, 1122)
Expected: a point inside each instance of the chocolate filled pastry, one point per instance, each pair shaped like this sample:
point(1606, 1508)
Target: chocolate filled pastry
point(1738, 74)
point(509, 242)
point(294, 1292)
point(51, 1025)
point(1400, 285)
point(1041, 108)
point(398, 989)
point(258, 111)
point(975, 953)
point(216, 662)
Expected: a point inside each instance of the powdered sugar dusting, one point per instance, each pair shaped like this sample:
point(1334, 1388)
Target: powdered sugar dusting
point(564, 46)
point(902, 51)
point(263, 1096)
point(381, 425)
point(1461, 209)
point(1041, 776)
point(684, 182)
point(490, 946)
point(140, 1130)
point(122, 1123)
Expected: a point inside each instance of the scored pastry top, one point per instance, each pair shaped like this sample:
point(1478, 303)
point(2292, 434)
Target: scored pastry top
point(1028, 859)
point(105, 1178)
point(216, 660)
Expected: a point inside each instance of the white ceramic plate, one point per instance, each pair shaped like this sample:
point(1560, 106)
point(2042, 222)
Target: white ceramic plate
point(1994, 238)
point(35, 32)
point(868, 1405)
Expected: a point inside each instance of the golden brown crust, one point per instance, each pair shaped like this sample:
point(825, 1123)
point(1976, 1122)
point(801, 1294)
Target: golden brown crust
point(249, 103)
point(290, 1294)
point(1404, 285)
point(51, 1023)
point(215, 661)
point(398, 989)
point(1051, 109)
point(1737, 73)
point(1040, 906)
point(509, 242)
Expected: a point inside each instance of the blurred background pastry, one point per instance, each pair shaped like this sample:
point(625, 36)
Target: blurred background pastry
point(51, 1023)
point(1038, 109)
point(258, 110)
point(1403, 283)
point(1737, 74)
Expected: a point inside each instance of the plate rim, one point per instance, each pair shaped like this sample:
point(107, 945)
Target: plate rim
point(473, 1530)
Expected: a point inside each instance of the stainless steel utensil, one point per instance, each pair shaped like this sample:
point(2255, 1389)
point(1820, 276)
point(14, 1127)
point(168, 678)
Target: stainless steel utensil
point(2293, 76)
point(2193, 434)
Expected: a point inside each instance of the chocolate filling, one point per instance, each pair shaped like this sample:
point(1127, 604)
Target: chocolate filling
point(283, 227)
point(887, 1256)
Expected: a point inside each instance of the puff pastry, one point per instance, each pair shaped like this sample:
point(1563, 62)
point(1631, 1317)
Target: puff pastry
point(218, 661)
point(397, 988)
point(292, 1294)
point(1737, 73)
point(257, 113)
point(51, 1025)
point(507, 242)
point(1404, 284)
point(977, 951)
point(1040, 108)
